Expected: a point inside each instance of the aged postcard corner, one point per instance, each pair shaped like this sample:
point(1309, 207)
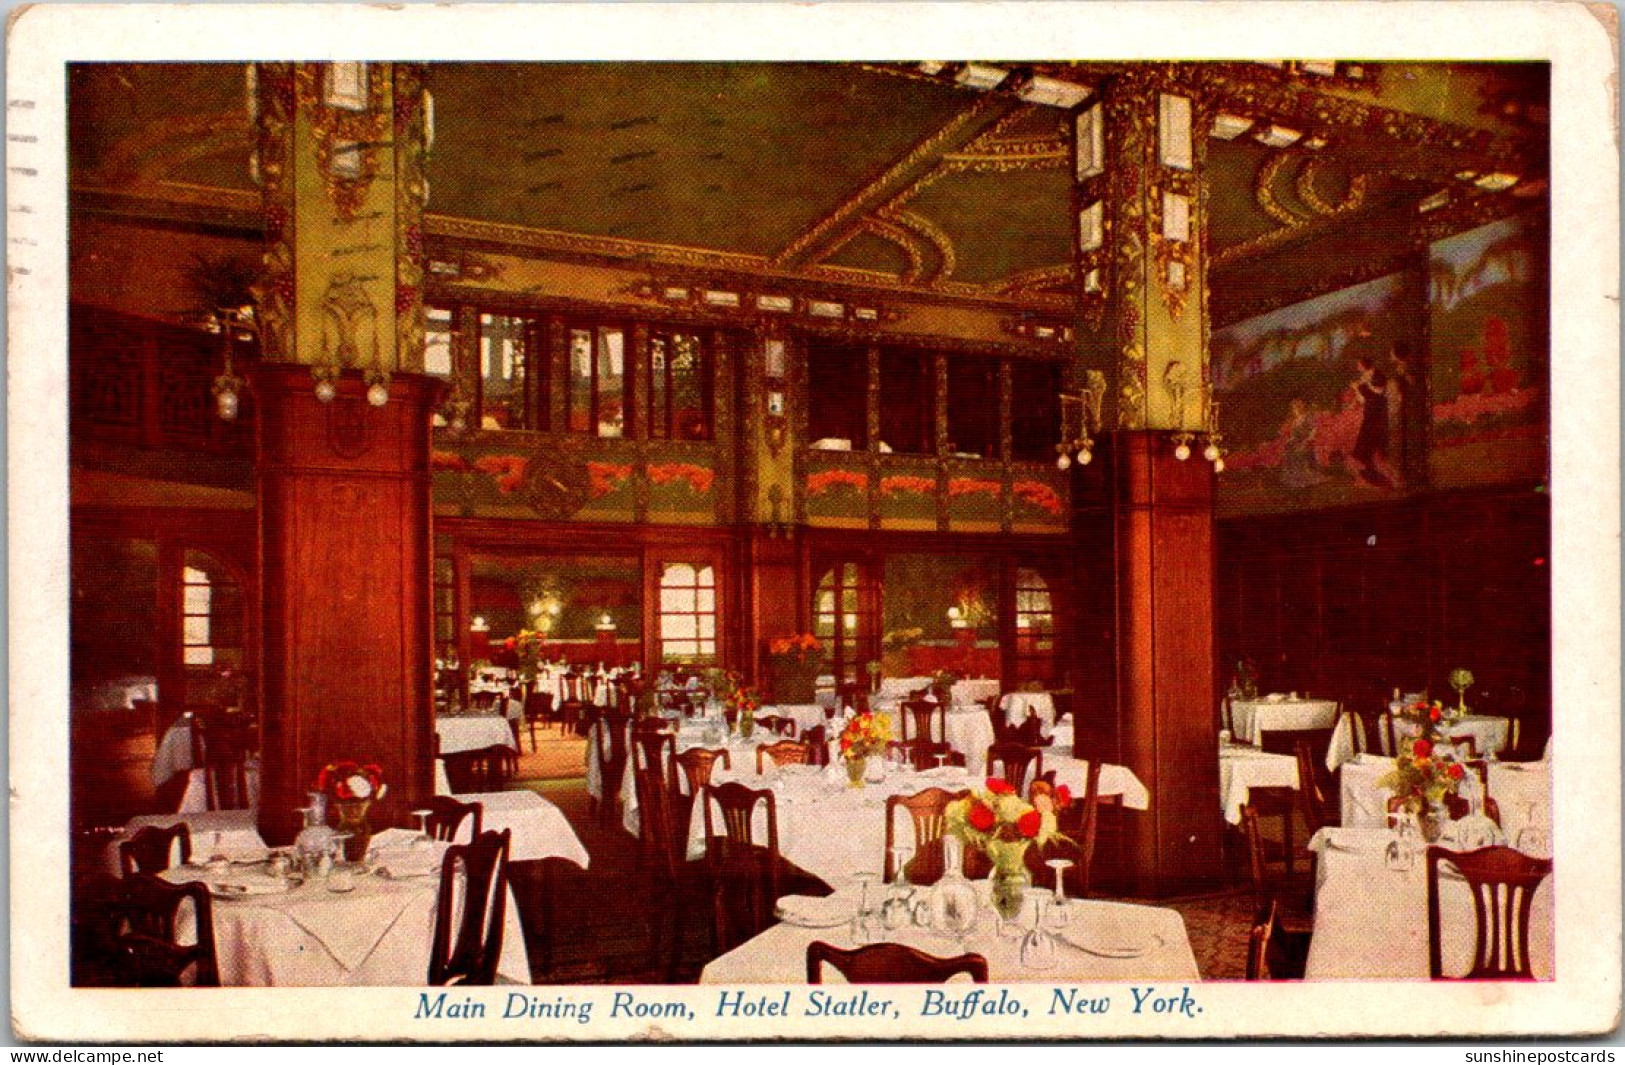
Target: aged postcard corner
point(1172, 452)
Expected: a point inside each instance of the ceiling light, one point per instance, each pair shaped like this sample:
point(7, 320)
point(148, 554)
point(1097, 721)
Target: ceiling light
point(1324, 67)
point(981, 76)
point(1315, 143)
point(1496, 182)
point(1053, 92)
point(1229, 127)
point(932, 66)
point(1277, 136)
point(1433, 203)
point(1466, 175)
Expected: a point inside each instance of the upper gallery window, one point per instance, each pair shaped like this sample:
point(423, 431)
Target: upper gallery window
point(1035, 410)
point(599, 390)
point(908, 395)
point(680, 375)
point(510, 356)
point(973, 407)
point(837, 396)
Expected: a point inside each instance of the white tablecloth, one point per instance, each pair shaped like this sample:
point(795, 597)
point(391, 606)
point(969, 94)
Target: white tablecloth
point(377, 935)
point(779, 955)
point(741, 757)
point(228, 832)
point(472, 732)
point(174, 753)
point(1018, 706)
point(827, 827)
point(1249, 717)
point(539, 828)
point(1513, 785)
point(122, 693)
point(973, 692)
point(807, 716)
point(196, 797)
point(1114, 780)
point(1371, 922)
point(1244, 768)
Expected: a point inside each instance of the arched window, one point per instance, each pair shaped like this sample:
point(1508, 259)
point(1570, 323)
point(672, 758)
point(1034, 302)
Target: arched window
point(688, 613)
point(1035, 627)
point(844, 619)
point(197, 630)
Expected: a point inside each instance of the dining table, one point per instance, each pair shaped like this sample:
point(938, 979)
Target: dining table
point(1521, 790)
point(827, 827)
point(540, 829)
point(1371, 919)
point(1018, 706)
point(966, 728)
point(1099, 941)
point(372, 926)
point(473, 732)
point(1243, 767)
point(1250, 718)
point(1490, 735)
point(1115, 780)
point(224, 832)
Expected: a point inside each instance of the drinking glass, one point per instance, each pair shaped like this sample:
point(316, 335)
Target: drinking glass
point(897, 910)
point(942, 758)
point(862, 921)
point(1059, 911)
point(1038, 946)
point(1533, 838)
point(1400, 854)
point(423, 827)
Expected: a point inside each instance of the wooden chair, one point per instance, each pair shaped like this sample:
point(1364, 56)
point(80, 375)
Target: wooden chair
point(1464, 745)
point(890, 963)
point(662, 832)
point(697, 763)
point(220, 746)
point(784, 752)
point(1258, 943)
point(150, 849)
point(538, 710)
point(817, 741)
point(1285, 741)
point(1080, 822)
point(744, 868)
point(145, 946)
point(1503, 882)
point(447, 815)
point(929, 720)
point(927, 812)
point(611, 736)
point(1293, 912)
point(922, 755)
point(852, 693)
point(1014, 760)
point(466, 948)
point(483, 769)
point(1459, 806)
point(482, 702)
point(1030, 733)
point(1314, 787)
point(776, 723)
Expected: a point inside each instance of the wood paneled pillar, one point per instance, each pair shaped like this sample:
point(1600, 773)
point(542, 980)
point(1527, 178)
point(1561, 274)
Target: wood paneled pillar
point(1163, 518)
point(346, 570)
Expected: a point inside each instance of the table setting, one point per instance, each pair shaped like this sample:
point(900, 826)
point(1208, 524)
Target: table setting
point(1250, 718)
point(302, 916)
point(1039, 935)
point(473, 732)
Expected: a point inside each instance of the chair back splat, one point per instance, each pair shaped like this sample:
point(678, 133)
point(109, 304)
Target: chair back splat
point(1503, 882)
point(890, 963)
point(467, 942)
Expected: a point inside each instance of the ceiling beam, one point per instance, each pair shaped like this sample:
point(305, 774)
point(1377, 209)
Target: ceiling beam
point(835, 228)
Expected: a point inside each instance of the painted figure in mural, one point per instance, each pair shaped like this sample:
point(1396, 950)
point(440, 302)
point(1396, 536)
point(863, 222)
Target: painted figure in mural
point(1370, 454)
point(1298, 467)
point(1400, 385)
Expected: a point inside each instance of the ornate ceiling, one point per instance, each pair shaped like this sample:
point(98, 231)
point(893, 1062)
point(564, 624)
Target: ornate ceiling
point(870, 170)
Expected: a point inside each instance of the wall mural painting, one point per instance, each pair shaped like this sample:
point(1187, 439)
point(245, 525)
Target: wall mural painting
point(1313, 400)
point(1488, 381)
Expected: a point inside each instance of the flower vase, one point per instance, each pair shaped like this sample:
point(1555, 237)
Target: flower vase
point(1009, 879)
point(352, 823)
point(747, 724)
point(1431, 819)
point(855, 771)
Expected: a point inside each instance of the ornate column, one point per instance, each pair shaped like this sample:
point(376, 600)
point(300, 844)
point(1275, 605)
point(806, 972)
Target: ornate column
point(1141, 204)
point(344, 492)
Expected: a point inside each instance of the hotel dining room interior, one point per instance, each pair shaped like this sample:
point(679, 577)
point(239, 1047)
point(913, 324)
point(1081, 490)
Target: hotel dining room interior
point(771, 523)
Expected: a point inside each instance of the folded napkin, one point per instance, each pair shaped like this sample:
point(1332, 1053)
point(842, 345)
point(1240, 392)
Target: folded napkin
point(945, 772)
point(1275, 697)
point(1110, 936)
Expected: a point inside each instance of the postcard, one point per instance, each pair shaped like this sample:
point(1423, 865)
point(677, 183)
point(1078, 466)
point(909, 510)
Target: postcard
point(894, 522)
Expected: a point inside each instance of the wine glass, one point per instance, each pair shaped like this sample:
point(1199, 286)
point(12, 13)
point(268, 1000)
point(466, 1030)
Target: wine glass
point(1038, 946)
point(1059, 910)
point(942, 758)
point(862, 928)
point(1399, 854)
point(423, 836)
point(897, 909)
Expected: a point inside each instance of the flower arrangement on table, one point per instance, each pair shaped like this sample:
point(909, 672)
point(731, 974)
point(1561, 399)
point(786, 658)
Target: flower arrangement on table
point(866, 734)
point(1245, 683)
point(997, 821)
point(793, 667)
point(353, 788)
point(1426, 768)
point(740, 700)
point(1461, 680)
point(527, 646)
